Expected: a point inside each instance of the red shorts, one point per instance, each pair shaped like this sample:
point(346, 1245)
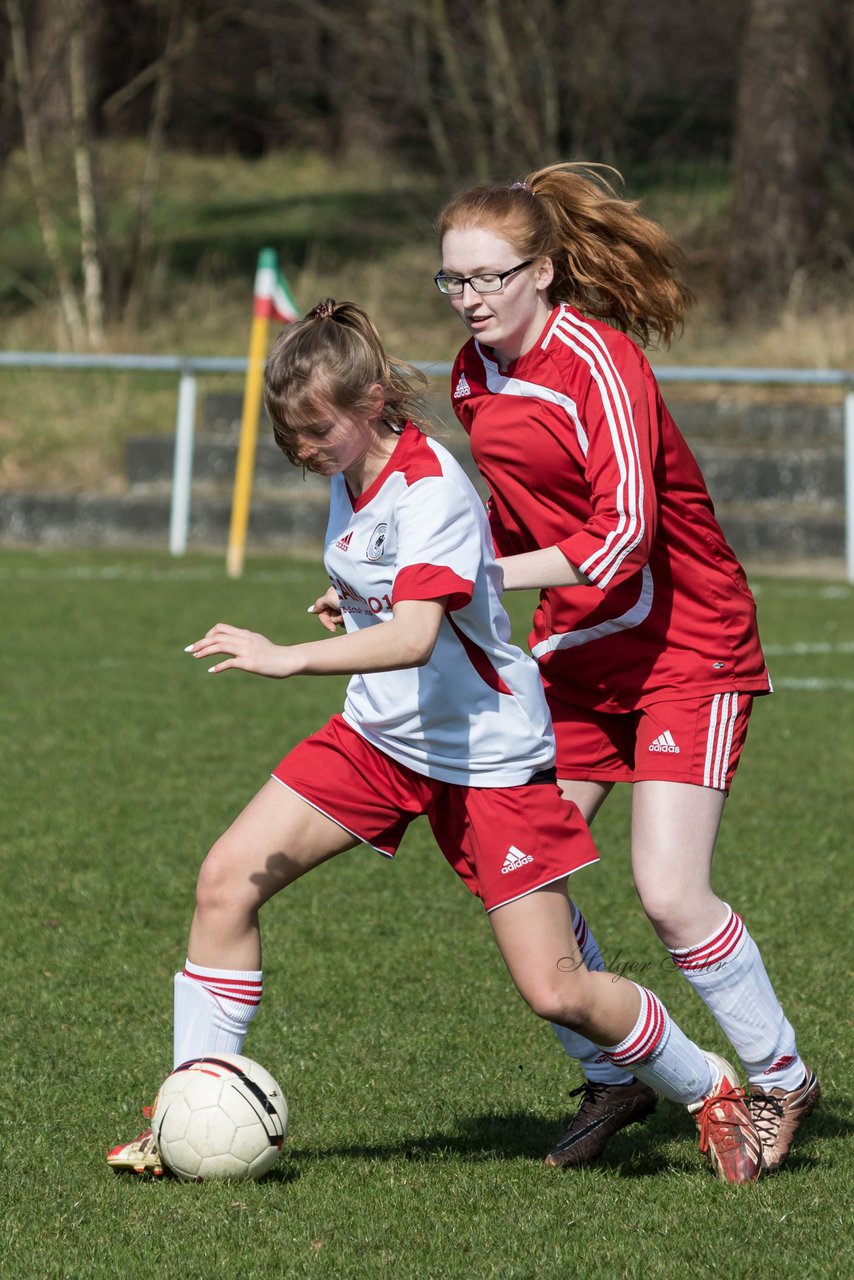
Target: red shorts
point(503, 842)
point(697, 741)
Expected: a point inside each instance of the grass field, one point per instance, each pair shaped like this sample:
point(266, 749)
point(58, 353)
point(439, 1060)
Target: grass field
point(423, 1094)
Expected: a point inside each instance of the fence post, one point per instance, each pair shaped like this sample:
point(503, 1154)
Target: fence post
point(182, 468)
point(849, 481)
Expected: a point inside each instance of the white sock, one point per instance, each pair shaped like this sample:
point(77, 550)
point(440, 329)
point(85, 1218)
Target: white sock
point(595, 1064)
point(727, 972)
point(213, 1009)
point(661, 1055)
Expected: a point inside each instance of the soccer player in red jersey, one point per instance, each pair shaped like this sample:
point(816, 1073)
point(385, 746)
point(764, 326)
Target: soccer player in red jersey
point(645, 632)
point(443, 717)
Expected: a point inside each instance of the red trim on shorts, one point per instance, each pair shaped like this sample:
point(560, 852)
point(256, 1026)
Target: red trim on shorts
point(503, 842)
point(386, 853)
point(564, 875)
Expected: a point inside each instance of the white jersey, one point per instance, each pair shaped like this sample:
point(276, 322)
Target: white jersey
point(475, 714)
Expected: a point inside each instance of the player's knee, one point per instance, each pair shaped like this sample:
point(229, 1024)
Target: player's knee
point(215, 886)
point(668, 909)
point(567, 1004)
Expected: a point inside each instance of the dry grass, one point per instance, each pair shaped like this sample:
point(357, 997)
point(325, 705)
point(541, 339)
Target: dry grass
point(362, 234)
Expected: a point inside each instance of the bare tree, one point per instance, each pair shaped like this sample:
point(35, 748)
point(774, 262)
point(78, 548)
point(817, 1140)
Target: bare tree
point(81, 142)
point(69, 307)
point(779, 149)
point(459, 84)
point(179, 41)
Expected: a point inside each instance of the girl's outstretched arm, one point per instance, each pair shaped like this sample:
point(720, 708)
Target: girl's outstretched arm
point(407, 640)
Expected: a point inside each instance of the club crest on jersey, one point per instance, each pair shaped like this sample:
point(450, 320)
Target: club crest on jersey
point(462, 388)
point(376, 544)
point(343, 544)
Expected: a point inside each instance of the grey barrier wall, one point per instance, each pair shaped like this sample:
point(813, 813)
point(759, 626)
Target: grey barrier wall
point(188, 369)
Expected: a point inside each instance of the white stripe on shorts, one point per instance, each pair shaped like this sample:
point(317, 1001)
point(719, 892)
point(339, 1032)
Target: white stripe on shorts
point(719, 741)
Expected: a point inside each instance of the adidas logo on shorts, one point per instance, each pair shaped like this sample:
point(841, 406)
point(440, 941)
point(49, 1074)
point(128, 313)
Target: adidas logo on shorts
point(514, 860)
point(664, 742)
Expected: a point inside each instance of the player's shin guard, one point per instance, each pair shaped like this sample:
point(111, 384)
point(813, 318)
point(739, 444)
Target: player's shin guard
point(661, 1055)
point(595, 1064)
point(727, 972)
point(213, 1009)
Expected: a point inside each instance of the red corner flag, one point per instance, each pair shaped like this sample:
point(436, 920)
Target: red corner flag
point(272, 297)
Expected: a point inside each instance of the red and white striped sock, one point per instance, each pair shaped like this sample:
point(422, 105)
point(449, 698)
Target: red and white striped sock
point(727, 972)
point(595, 1064)
point(213, 1009)
point(658, 1052)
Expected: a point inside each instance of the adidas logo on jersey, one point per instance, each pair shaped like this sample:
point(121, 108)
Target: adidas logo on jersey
point(514, 860)
point(462, 388)
point(343, 544)
point(664, 742)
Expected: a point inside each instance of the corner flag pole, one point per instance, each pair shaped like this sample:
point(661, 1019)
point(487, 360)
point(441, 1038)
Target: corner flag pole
point(272, 300)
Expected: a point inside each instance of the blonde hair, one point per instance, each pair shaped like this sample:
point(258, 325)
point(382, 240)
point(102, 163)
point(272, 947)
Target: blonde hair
point(333, 357)
point(610, 260)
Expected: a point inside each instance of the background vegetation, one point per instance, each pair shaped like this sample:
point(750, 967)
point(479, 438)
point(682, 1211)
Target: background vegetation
point(342, 228)
point(150, 148)
point(747, 102)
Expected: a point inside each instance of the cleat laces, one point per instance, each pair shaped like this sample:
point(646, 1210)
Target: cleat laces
point(713, 1114)
point(766, 1113)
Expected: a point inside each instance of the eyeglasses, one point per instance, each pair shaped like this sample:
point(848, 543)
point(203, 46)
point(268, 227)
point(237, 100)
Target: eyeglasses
point(490, 282)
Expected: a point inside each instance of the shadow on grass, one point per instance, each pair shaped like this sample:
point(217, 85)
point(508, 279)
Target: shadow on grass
point(641, 1151)
point(634, 1153)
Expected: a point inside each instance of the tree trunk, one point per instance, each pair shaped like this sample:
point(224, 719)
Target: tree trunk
point(540, 26)
point(426, 97)
point(515, 138)
point(779, 150)
point(81, 141)
point(178, 42)
point(475, 142)
point(69, 308)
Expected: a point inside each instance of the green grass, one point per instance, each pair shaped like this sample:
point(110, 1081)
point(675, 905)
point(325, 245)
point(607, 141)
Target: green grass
point(422, 1092)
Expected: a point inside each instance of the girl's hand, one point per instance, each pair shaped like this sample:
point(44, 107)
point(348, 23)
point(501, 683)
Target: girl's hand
point(249, 652)
point(328, 610)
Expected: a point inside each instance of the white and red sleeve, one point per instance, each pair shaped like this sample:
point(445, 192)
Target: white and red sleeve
point(438, 544)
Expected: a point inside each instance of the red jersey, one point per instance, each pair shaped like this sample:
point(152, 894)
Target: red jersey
point(579, 451)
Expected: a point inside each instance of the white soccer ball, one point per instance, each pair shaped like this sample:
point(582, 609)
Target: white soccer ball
point(220, 1116)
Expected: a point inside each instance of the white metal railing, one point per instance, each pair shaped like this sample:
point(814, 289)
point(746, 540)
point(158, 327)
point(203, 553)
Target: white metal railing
point(188, 368)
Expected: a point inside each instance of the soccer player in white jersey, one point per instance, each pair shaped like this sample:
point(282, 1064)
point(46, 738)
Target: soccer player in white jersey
point(444, 717)
point(646, 629)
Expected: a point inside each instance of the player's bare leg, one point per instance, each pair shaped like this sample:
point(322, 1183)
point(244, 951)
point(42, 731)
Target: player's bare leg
point(674, 829)
point(537, 942)
point(629, 1023)
point(274, 841)
point(610, 1098)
